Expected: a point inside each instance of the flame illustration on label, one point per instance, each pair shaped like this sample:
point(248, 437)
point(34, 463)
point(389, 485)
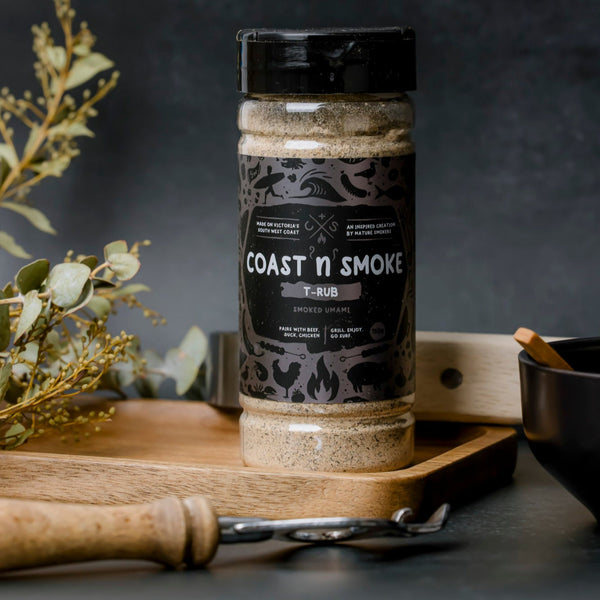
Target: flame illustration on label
point(324, 384)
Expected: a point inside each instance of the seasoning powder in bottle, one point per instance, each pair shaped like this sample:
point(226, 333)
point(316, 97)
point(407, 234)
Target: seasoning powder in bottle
point(327, 292)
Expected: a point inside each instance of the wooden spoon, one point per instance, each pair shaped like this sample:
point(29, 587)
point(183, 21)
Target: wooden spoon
point(539, 350)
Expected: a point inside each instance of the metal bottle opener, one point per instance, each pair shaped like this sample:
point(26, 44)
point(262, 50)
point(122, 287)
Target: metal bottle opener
point(170, 531)
point(328, 529)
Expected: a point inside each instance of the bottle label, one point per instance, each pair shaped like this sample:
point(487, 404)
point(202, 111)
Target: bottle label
point(327, 278)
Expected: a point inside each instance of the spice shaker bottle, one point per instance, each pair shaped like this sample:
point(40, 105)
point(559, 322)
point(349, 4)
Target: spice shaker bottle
point(327, 284)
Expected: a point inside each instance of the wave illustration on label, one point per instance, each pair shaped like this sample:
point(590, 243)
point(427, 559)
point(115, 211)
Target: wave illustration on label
point(326, 278)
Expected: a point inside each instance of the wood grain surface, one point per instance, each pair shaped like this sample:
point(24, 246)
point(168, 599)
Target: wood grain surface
point(155, 448)
point(486, 365)
point(170, 531)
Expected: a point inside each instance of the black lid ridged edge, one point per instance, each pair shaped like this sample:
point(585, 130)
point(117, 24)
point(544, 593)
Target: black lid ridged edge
point(326, 61)
point(294, 35)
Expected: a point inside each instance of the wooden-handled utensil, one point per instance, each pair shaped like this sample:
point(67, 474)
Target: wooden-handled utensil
point(170, 531)
point(539, 350)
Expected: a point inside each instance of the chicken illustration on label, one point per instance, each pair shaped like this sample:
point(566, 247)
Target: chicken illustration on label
point(286, 379)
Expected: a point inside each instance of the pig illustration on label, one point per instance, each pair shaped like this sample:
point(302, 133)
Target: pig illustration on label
point(368, 373)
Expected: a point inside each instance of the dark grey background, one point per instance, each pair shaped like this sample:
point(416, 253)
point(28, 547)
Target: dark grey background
point(508, 136)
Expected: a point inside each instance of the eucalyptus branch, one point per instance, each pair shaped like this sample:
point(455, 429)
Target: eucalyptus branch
point(57, 121)
point(17, 113)
point(28, 105)
point(54, 341)
point(16, 300)
point(56, 319)
point(26, 184)
point(5, 134)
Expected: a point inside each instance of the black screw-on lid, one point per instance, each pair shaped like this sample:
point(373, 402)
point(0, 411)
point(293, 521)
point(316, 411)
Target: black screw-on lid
point(326, 61)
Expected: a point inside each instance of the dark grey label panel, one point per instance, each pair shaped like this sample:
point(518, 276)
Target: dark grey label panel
point(327, 278)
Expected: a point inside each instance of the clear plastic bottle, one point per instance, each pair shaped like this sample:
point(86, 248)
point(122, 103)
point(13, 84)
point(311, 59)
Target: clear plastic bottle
point(327, 292)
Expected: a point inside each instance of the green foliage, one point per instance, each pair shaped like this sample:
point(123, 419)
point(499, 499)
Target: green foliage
point(66, 281)
point(31, 276)
point(55, 119)
point(123, 264)
point(54, 344)
point(83, 69)
point(32, 308)
point(7, 242)
point(36, 217)
point(182, 363)
point(4, 324)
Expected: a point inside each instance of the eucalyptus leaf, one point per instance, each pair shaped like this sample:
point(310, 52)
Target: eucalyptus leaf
point(13, 392)
point(145, 388)
point(134, 347)
point(4, 324)
point(4, 169)
point(100, 283)
point(195, 345)
point(72, 351)
point(7, 152)
point(7, 242)
point(57, 57)
point(70, 129)
point(86, 295)
point(30, 352)
point(27, 357)
point(81, 49)
point(32, 139)
point(36, 217)
point(54, 367)
point(182, 368)
point(32, 307)
point(118, 247)
point(124, 372)
point(5, 372)
point(53, 168)
point(66, 283)
point(53, 344)
point(132, 288)
point(61, 115)
point(79, 129)
point(83, 69)
point(14, 430)
point(90, 261)
point(16, 435)
point(101, 307)
point(148, 383)
point(123, 265)
point(8, 290)
point(31, 276)
point(23, 437)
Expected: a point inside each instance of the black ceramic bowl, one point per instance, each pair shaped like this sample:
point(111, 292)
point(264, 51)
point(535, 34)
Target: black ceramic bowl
point(561, 417)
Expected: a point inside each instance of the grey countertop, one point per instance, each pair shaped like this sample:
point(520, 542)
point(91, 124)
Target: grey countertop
point(530, 539)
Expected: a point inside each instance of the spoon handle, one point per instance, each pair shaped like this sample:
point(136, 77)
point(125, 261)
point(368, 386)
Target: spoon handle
point(539, 350)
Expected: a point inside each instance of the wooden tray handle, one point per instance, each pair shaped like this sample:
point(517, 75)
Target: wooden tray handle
point(169, 531)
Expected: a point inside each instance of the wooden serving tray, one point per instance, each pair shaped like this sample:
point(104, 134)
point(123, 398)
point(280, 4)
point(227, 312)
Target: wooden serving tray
point(158, 448)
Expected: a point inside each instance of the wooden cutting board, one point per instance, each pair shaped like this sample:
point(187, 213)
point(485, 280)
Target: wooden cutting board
point(158, 448)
